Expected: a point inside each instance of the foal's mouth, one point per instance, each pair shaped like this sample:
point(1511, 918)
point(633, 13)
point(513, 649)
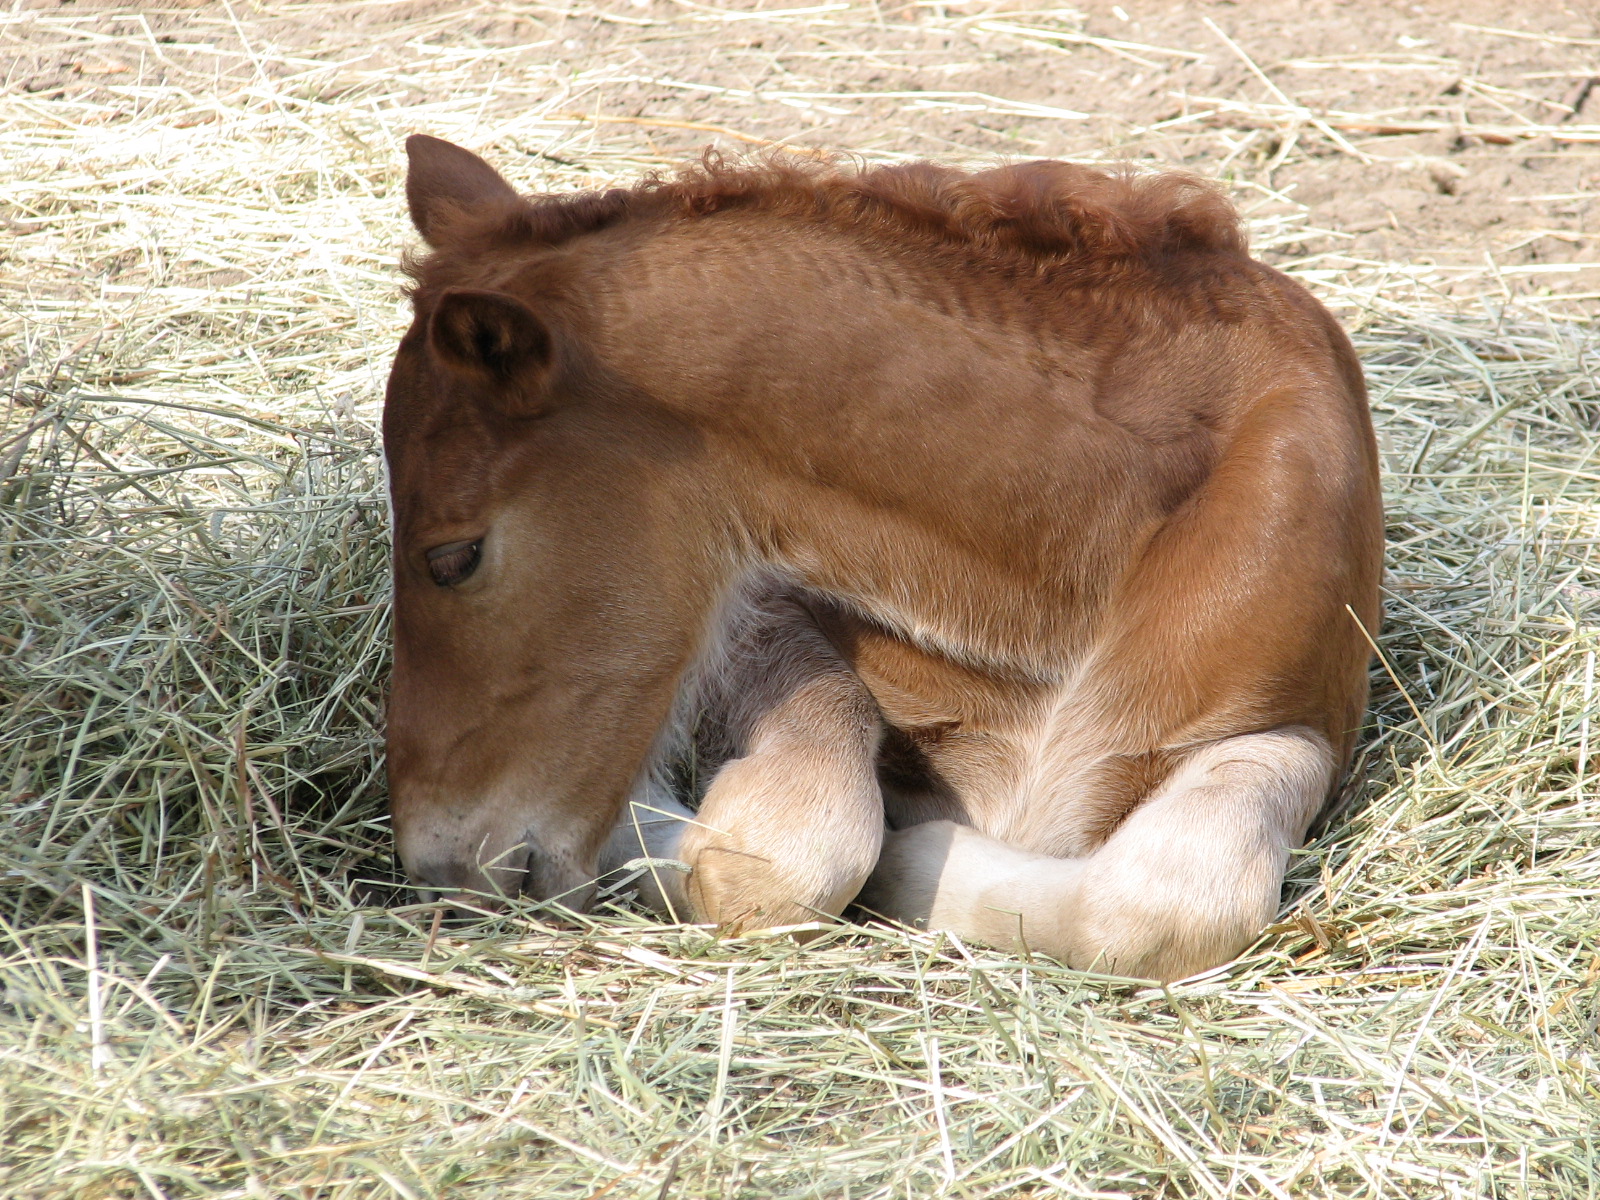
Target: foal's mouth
point(483, 888)
point(532, 885)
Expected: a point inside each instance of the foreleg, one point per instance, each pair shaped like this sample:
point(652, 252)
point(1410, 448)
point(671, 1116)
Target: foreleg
point(792, 821)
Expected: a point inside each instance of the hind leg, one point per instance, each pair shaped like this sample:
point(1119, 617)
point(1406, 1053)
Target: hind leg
point(792, 821)
point(1184, 883)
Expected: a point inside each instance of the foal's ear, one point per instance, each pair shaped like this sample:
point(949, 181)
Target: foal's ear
point(491, 338)
point(443, 178)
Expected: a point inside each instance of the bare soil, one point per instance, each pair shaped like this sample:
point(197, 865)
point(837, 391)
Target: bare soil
point(1462, 137)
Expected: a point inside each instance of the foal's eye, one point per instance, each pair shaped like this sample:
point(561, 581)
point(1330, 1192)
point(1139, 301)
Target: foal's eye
point(452, 563)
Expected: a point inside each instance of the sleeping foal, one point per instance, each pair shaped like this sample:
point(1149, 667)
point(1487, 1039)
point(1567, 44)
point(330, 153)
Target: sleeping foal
point(996, 547)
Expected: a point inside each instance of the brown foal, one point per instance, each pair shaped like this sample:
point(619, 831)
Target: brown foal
point(996, 546)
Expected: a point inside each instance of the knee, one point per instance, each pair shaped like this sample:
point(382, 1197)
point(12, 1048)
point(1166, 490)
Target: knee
point(741, 885)
point(768, 850)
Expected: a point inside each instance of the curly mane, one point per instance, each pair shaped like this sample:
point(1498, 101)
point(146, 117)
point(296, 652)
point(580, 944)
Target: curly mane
point(1045, 211)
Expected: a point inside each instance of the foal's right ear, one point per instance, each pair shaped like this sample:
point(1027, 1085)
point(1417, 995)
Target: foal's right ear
point(443, 179)
point(495, 341)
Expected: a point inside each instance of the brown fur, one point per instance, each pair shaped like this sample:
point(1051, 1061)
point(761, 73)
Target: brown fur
point(1041, 212)
point(995, 498)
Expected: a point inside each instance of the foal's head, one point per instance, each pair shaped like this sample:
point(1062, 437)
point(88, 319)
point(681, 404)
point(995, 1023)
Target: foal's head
point(543, 588)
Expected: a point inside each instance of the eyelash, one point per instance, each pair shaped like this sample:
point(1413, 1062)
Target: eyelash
point(449, 565)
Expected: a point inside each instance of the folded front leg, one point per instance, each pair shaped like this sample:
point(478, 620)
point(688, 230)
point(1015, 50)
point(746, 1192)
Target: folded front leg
point(792, 821)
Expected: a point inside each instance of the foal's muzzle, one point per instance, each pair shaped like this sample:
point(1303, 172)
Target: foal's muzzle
point(540, 878)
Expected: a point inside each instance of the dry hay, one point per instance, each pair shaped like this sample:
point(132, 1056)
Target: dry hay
point(206, 996)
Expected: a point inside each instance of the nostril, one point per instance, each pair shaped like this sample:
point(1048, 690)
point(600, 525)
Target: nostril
point(439, 876)
point(452, 879)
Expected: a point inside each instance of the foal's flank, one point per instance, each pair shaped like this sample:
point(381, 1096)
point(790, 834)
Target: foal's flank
point(988, 541)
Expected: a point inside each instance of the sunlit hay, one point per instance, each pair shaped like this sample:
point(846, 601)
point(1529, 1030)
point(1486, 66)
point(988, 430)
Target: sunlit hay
point(200, 296)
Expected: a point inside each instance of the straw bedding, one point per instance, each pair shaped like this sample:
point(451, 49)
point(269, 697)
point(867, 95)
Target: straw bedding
point(212, 986)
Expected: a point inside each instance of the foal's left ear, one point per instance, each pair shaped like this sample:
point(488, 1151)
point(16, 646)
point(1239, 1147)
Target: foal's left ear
point(443, 179)
point(493, 339)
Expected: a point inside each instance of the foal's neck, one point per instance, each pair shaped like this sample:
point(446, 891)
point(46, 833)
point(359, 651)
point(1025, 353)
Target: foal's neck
point(890, 428)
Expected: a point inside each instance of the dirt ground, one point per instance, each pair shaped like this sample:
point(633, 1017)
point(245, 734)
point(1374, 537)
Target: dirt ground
point(1460, 139)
